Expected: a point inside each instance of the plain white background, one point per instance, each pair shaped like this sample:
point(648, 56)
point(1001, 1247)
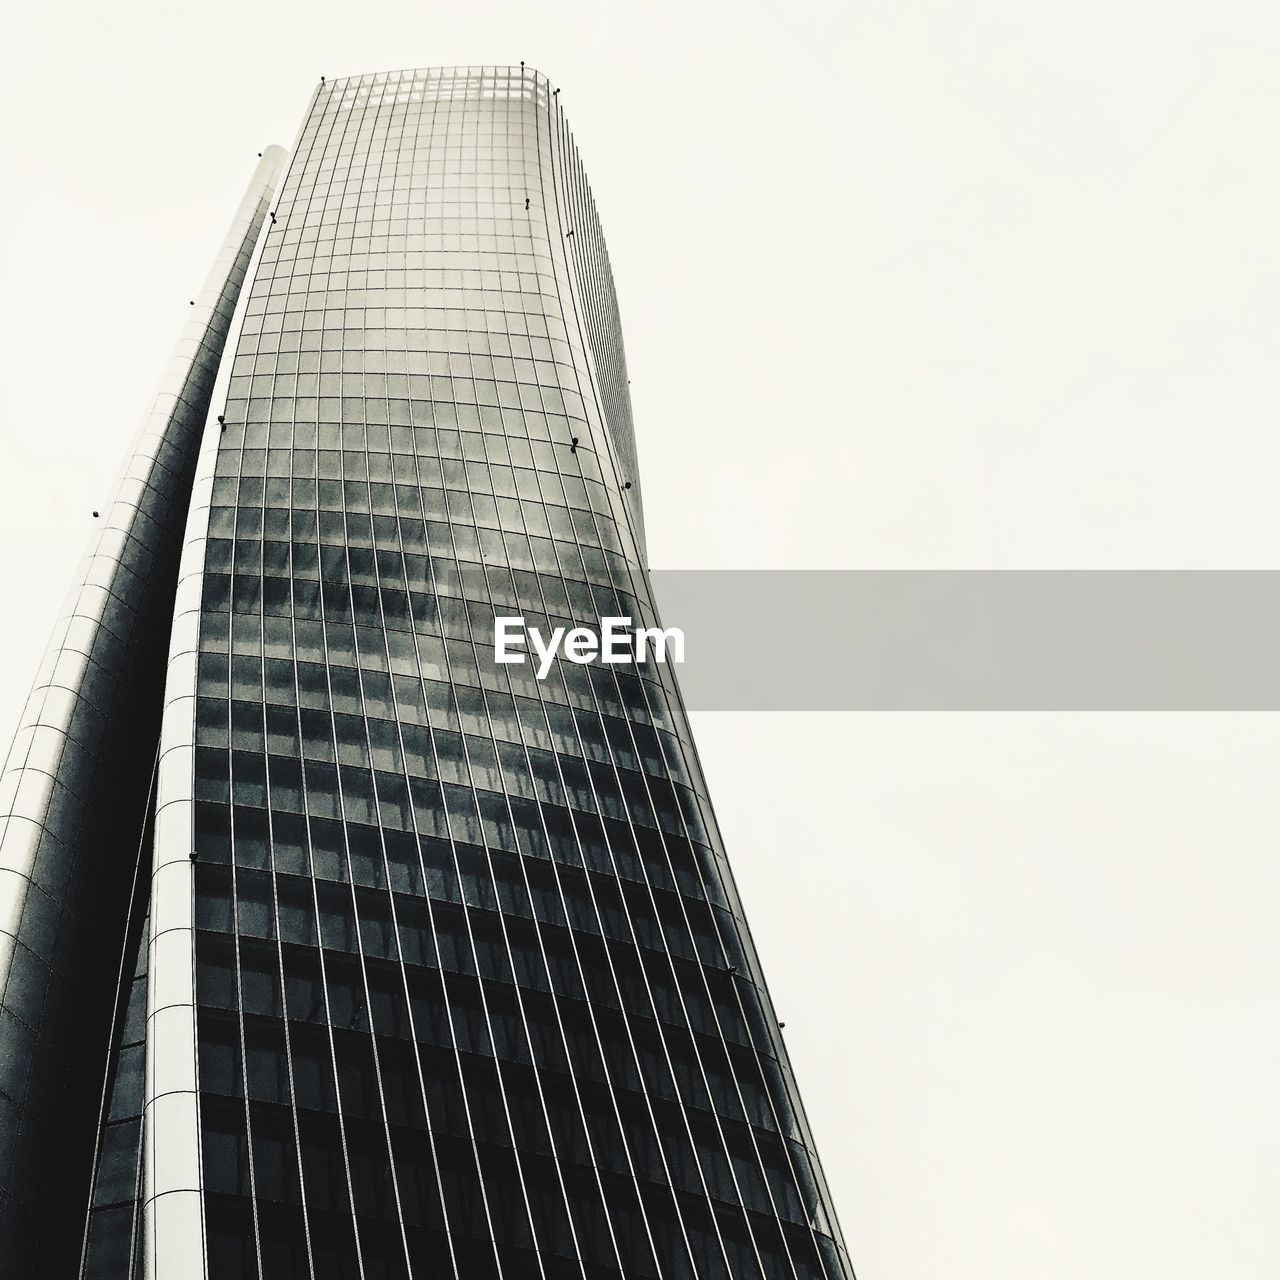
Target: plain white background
point(904, 284)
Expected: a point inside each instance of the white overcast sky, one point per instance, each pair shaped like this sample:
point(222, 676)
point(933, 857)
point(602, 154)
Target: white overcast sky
point(904, 284)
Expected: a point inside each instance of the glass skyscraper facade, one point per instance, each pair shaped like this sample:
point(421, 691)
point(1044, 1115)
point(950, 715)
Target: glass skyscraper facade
point(421, 966)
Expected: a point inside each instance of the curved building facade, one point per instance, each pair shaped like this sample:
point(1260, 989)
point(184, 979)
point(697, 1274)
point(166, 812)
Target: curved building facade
point(444, 972)
point(75, 796)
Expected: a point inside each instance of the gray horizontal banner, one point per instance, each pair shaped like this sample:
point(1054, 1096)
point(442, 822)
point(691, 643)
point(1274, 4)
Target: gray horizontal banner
point(1126, 640)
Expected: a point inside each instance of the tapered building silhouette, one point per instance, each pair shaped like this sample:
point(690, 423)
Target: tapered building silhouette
point(328, 946)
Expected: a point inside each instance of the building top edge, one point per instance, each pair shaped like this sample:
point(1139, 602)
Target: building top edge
point(476, 71)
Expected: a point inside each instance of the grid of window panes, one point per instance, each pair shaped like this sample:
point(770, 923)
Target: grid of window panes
point(599, 305)
point(473, 996)
point(113, 1242)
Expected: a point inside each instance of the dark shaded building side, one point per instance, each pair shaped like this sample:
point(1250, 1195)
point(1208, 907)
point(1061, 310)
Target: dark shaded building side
point(74, 797)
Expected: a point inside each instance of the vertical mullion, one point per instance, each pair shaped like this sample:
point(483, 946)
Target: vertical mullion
point(310, 189)
point(231, 808)
point(347, 115)
point(439, 128)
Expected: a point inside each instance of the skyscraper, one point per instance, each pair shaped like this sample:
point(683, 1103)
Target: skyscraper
point(332, 948)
